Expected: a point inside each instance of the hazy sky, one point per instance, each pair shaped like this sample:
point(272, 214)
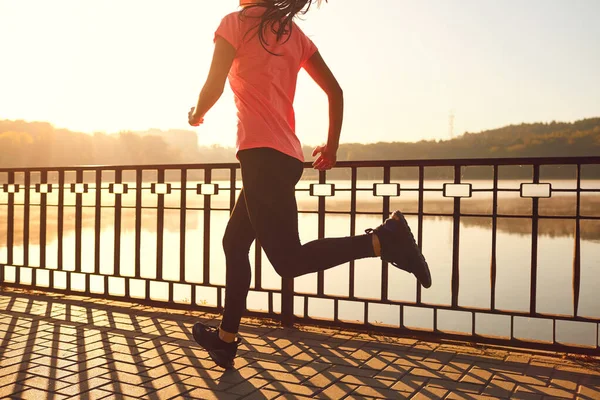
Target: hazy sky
point(107, 65)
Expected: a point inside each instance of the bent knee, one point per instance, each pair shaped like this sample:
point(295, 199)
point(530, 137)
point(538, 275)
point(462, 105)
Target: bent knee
point(285, 268)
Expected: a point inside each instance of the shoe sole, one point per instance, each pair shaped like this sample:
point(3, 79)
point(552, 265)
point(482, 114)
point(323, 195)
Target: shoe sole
point(220, 360)
point(215, 355)
point(426, 280)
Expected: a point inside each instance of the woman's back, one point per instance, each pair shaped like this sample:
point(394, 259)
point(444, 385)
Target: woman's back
point(264, 81)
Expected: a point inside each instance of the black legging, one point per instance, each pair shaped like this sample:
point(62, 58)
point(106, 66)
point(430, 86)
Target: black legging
point(266, 208)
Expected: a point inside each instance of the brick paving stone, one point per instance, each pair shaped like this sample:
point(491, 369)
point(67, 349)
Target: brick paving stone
point(563, 384)
point(587, 392)
point(95, 394)
point(476, 375)
point(393, 371)
point(110, 350)
point(10, 389)
point(468, 396)
point(336, 391)
point(263, 394)
point(379, 393)
point(544, 391)
point(248, 386)
point(499, 388)
point(292, 397)
point(323, 379)
point(37, 394)
point(127, 389)
point(456, 386)
point(376, 363)
point(353, 371)
point(293, 388)
point(83, 386)
point(371, 382)
point(430, 393)
point(523, 379)
point(409, 384)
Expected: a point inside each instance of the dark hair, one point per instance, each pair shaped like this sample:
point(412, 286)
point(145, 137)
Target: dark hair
point(278, 18)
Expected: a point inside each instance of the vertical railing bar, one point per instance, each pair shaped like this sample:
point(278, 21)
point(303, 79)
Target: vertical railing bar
point(270, 300)
point(435, 319)
point(26, 214)
point(553, 331)
point(386, 214)
point(97, 226)
point(473, 322)
point(366, 313)
point(78, 221)
point(577, 250)
point(182, 223)
point(207, 208)
point(34, 270)
point(420, 222)
point(10, 220)
point(257, 265)
point(117, 226)
point(232, 188)
point(139, 181)
point(493, 262)
point(60, 222)
point(219, 299)
point(402, 317)
point(352, 228)
point(43, 218)
point(512, 327)
point(335, 310)
point(456, 241)
point(306, 299)
point(160, 223)
point(321, 274)
point(534, 246)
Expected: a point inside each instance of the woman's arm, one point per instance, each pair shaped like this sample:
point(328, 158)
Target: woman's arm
point(322, 75)
point(215, 82)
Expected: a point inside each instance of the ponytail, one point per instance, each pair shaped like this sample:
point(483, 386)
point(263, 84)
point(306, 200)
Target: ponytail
point(278, 18)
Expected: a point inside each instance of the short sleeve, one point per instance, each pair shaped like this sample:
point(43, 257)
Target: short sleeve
point(229, 29)
point(308, 47)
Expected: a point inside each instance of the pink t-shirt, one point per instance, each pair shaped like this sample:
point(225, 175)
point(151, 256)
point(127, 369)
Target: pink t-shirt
point(264, 84)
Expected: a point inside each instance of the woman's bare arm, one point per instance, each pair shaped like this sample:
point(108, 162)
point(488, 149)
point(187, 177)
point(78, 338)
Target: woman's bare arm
point(323, 76)
point(215, 82)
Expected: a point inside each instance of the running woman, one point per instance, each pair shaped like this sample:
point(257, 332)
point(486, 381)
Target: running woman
point(261, 50)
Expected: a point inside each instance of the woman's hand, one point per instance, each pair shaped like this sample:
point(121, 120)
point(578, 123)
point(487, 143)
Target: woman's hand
point(326, 160)
point(193, 118)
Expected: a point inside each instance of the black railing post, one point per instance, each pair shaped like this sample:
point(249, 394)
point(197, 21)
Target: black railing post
point(456, 241)
point(577, 249)
point(287, 302)
point(534, 245)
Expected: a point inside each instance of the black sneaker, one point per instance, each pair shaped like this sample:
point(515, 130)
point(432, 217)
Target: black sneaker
point(399, 248)
point(222, 353)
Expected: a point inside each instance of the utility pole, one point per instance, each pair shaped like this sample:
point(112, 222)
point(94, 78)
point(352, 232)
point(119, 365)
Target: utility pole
point(451, 124)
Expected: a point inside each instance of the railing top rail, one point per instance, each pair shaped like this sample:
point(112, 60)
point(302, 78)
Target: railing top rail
point(342, 164)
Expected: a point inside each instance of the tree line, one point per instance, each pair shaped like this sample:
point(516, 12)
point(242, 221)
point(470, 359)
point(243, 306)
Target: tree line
point(39, 144)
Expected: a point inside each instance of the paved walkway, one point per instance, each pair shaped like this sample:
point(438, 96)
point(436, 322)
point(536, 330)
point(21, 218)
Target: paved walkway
point(56, 347)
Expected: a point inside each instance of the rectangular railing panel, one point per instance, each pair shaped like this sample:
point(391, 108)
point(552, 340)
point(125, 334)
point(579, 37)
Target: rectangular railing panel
point(177, 208)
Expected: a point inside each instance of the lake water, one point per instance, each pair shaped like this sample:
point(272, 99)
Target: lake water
point(555, 254)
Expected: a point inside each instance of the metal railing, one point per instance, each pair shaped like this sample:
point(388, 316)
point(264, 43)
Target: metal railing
point(34, 252)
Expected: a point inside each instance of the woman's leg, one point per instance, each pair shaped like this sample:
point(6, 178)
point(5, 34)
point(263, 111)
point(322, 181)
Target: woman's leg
point(237, 240)
point(269, 180)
